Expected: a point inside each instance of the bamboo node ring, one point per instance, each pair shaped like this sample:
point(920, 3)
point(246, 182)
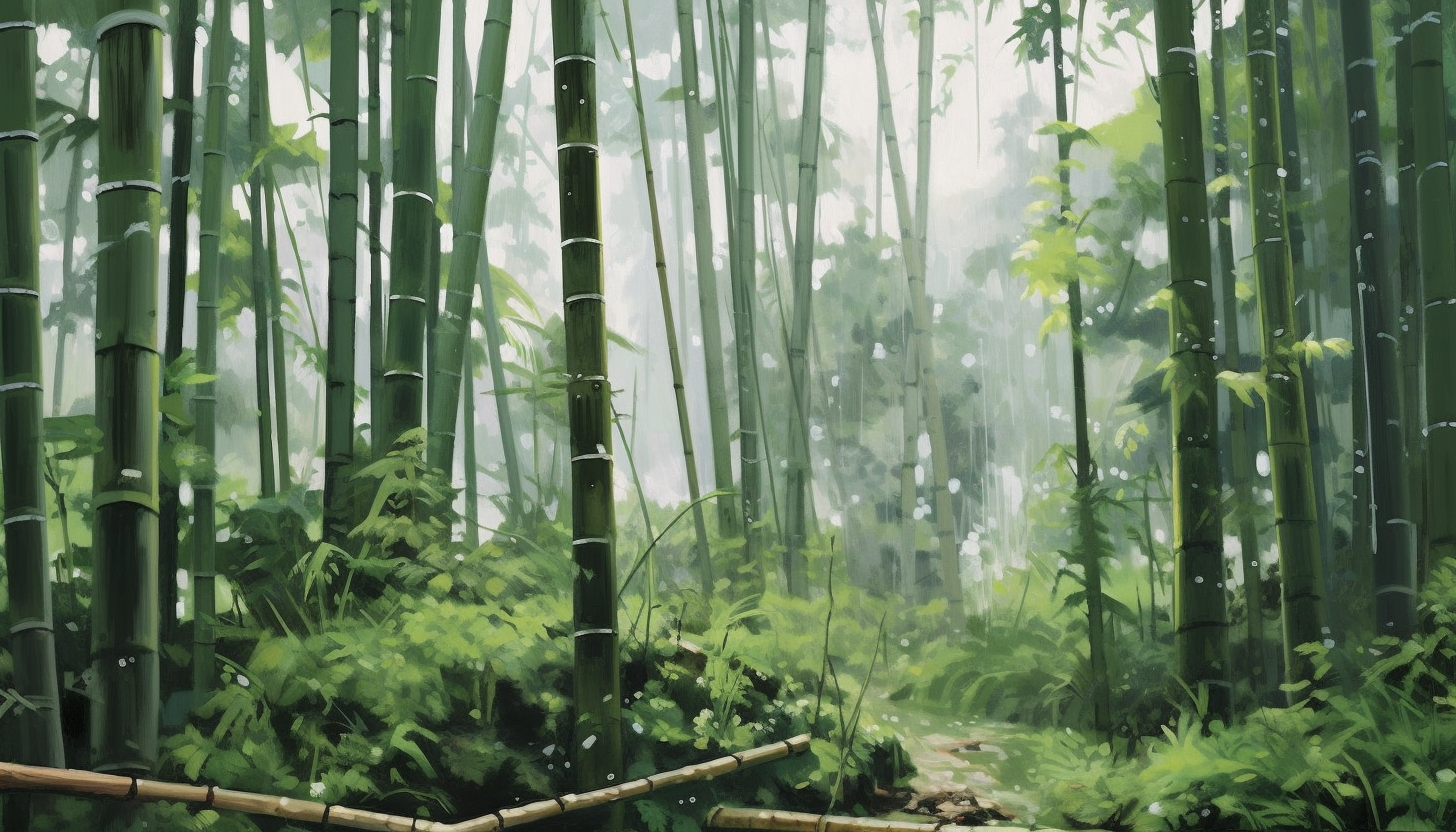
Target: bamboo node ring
point(129, 17)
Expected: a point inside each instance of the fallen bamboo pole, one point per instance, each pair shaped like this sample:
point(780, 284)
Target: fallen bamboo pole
point(724, 817)
point(14, 777)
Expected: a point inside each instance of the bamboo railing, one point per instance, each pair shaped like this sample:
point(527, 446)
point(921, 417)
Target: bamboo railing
point(14, 777)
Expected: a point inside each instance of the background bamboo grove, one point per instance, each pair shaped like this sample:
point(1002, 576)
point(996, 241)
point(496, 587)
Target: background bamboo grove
point(434, 408)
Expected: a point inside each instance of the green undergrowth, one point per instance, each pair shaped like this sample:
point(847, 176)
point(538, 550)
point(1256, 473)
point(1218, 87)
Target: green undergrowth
point(1373, 747)
point(438, 684)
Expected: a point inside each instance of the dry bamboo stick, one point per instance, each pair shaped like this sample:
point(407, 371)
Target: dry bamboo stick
point(14, 777)
point(724, 817)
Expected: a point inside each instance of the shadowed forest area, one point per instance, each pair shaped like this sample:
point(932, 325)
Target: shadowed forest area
point(452, 415)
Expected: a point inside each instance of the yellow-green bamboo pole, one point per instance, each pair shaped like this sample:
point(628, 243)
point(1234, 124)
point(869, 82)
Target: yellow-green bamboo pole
point(87, 784)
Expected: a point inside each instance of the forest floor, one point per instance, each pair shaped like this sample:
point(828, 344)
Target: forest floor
point(956, 779)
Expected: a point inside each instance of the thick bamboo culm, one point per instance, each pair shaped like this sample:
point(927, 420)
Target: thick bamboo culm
point(69, 781)
point(725, 818)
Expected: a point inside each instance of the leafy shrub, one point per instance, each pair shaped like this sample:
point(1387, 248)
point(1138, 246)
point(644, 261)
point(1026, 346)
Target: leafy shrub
point(1378, 753)
point(440, 683)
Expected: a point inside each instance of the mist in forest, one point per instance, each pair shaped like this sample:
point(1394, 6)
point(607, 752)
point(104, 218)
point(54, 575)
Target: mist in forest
point(430, 414)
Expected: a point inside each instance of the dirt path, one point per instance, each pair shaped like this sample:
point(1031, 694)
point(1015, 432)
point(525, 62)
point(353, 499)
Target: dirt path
point(956, 781)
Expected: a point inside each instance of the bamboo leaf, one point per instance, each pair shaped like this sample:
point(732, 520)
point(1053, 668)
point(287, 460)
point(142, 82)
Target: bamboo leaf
point(1244, 385)
point(1066, 128)
point(1222, 183)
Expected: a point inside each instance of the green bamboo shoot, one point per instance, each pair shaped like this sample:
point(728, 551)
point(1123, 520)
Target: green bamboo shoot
point(745, 293)
point(375, 153)
point(707, 273)
point(343, 221)
point(690, 458)
point(1412, 309)
point(1087, 534)
point(950, 575)
point(1296, 521)
point(472, 188)
point(800, 484)
point(1200, 607)
point(215, 190)
point(1438, 272)
point(36, 739)
point(259, 138)
point(1240, 440)
point(184, 51)
point(597, 678)
point(1395, 553)
point(274, 298)
point(126, 701)
point(412, 230)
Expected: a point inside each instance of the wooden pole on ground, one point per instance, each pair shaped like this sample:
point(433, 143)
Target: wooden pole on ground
point(15, 777)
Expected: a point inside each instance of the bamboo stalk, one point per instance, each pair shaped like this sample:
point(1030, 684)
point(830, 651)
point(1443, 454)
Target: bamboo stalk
point(1200, 616)
point(703, 555)
point(33, 734)
point(924, 341)
point(14, 777)
point(343, 269)
point(723, 817)
point(125, 698)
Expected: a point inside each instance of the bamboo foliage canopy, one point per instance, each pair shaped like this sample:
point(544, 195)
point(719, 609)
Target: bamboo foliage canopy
point(14, 777)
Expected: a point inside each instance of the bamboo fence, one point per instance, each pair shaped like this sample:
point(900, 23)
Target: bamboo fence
point(15, 777)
